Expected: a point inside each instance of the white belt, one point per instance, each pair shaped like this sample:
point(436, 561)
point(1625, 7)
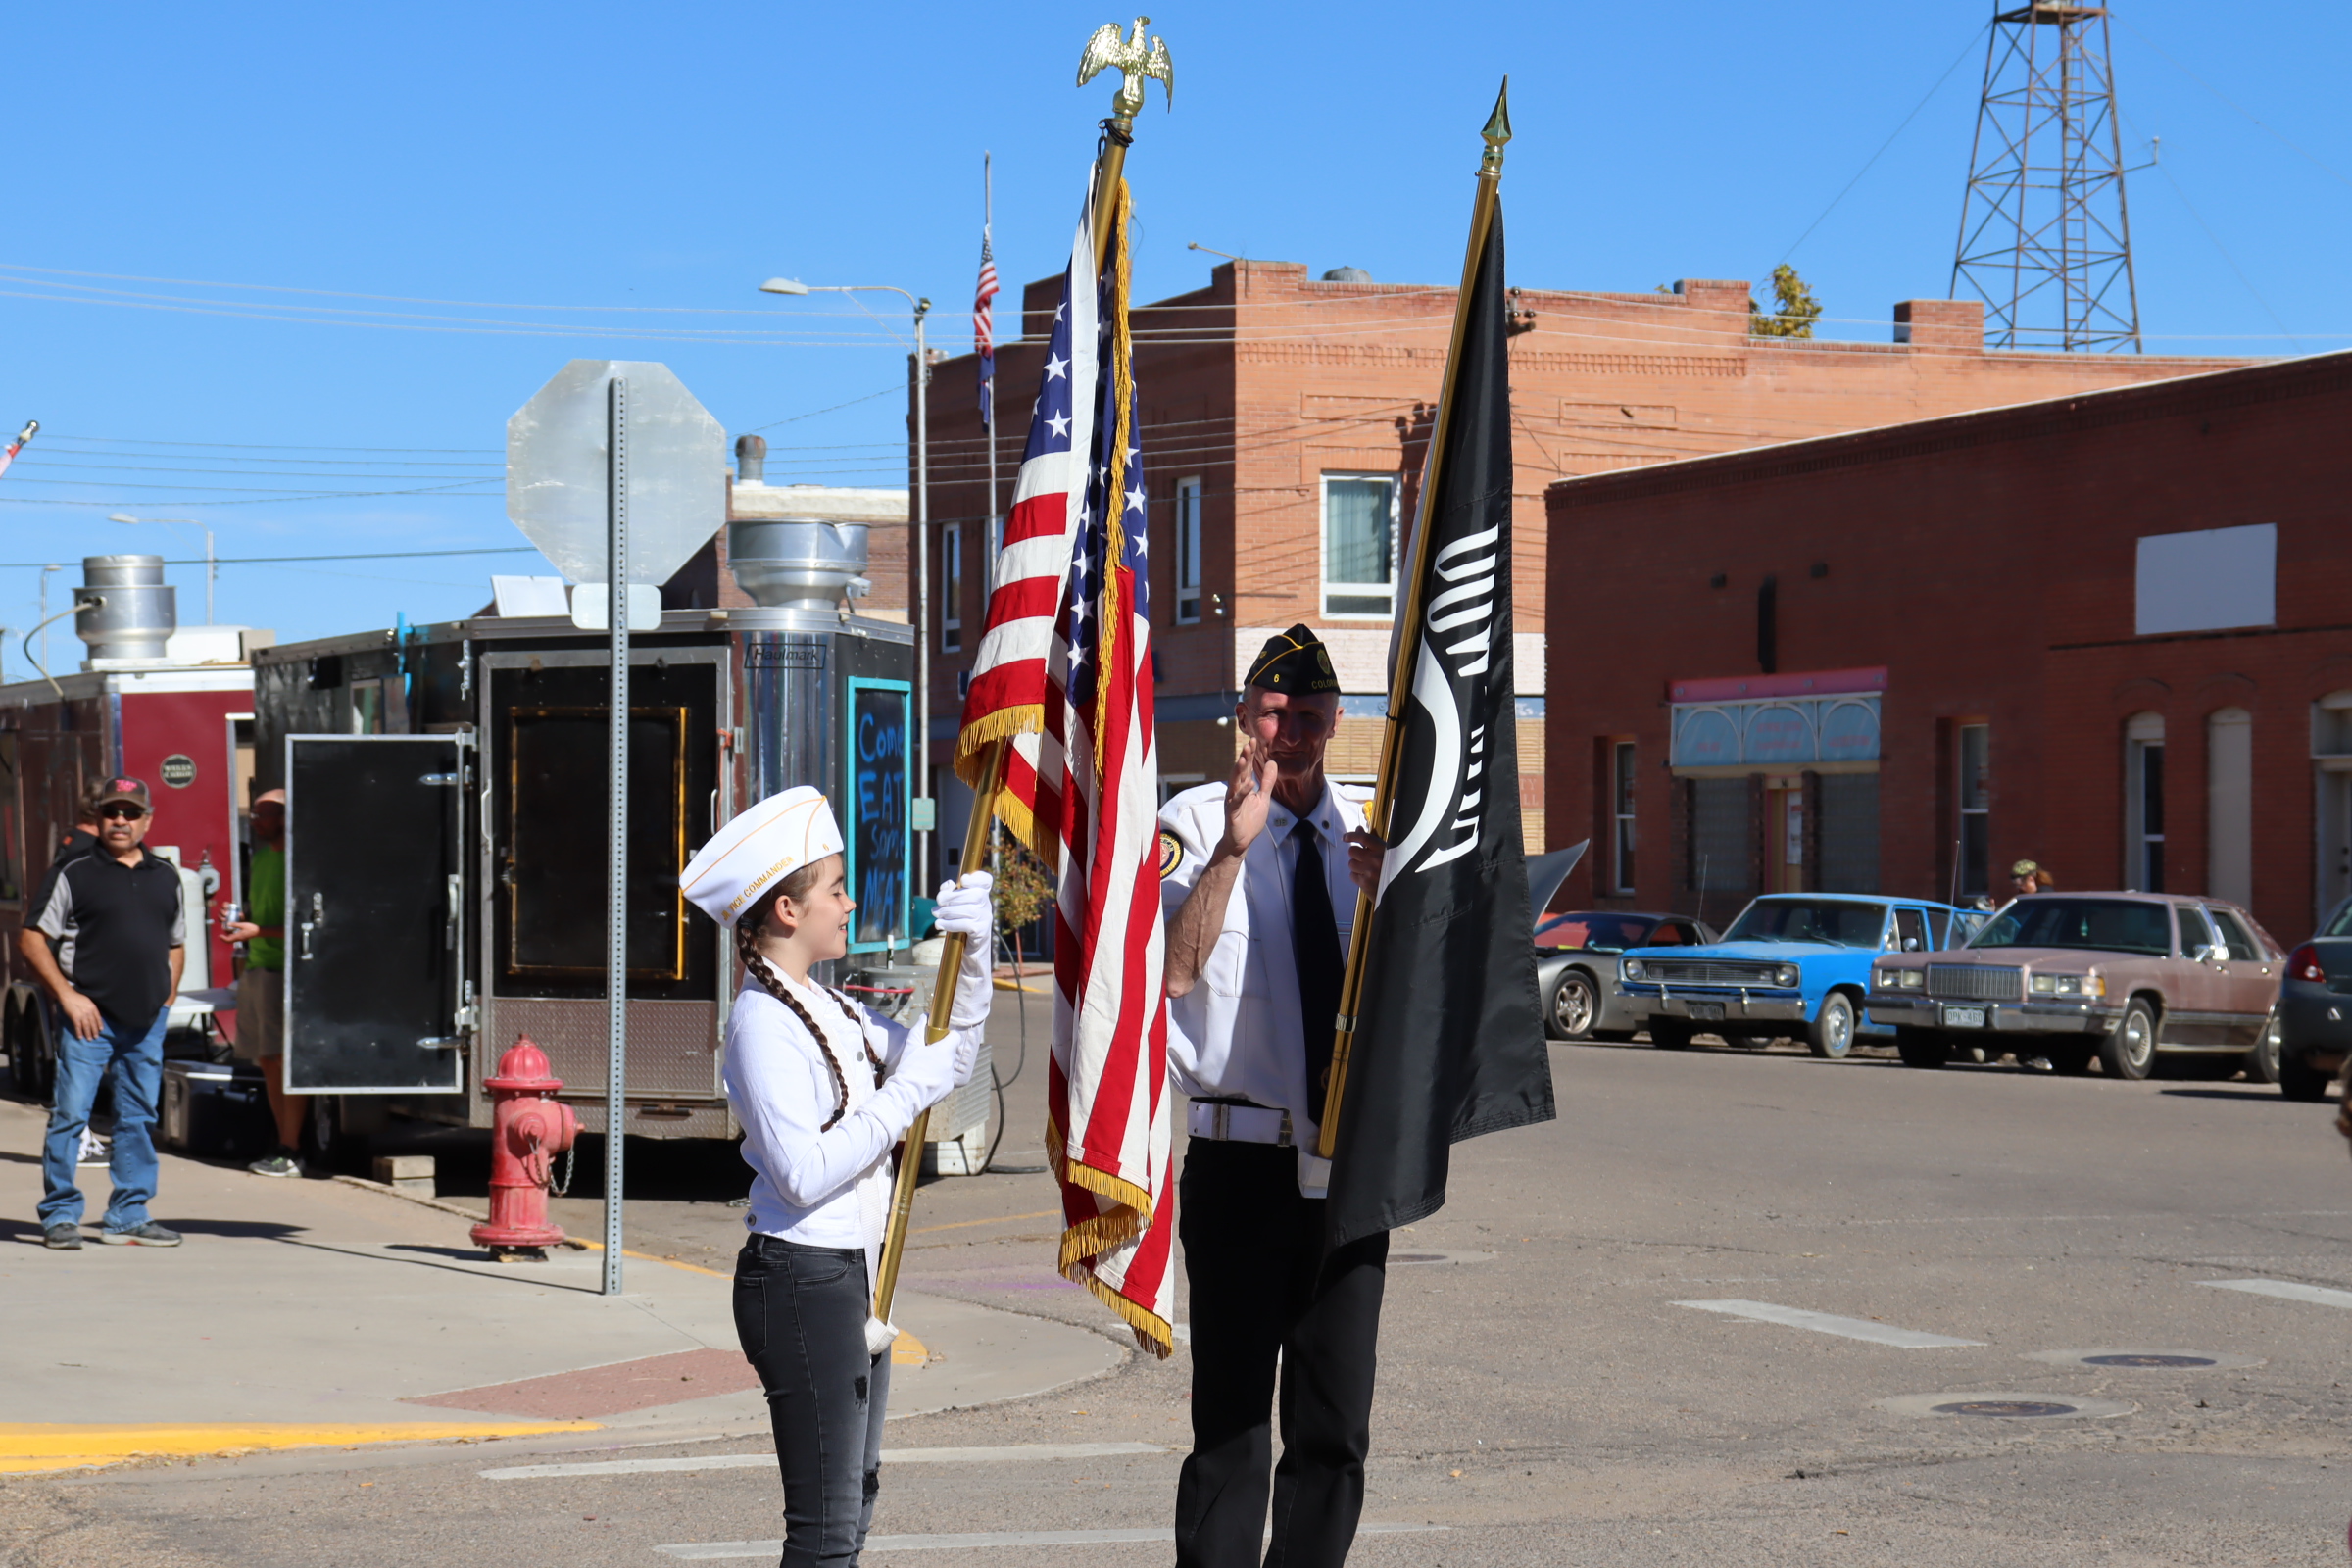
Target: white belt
point(1244, 1124)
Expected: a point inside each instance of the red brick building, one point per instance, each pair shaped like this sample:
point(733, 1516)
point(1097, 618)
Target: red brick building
point(1284, 421)
point(2111, 632)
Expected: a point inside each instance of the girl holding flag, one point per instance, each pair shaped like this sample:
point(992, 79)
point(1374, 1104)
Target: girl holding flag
point(823, 1087)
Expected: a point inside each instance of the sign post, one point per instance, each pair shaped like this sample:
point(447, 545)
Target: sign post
point(620, 449)
point(616, 941)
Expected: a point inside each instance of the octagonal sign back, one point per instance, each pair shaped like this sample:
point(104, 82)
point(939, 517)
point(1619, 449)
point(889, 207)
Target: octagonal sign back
point(558, 470)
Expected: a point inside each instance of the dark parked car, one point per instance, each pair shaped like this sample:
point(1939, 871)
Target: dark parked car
point(1576, 968)
point(2314, 1008)
point(2125, 976)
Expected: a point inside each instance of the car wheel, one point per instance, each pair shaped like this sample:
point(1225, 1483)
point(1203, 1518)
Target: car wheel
point(2266, 1062)
point(1830, 1034)
point(2298, 1079)
point(1922, 1047)
point(2130, 1054)
point(1575, 1003)
point(1670, 1034)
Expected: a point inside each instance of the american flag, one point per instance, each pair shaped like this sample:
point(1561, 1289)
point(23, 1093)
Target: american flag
point(984, 334)
point(1064, 672)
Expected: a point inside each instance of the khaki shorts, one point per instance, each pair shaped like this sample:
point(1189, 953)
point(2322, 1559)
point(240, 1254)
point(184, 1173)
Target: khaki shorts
point(260, 1014)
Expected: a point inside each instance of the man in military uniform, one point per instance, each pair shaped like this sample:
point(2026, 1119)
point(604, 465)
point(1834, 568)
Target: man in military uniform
point(1259, 878)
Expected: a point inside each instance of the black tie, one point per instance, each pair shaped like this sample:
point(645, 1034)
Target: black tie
point(1315, 945)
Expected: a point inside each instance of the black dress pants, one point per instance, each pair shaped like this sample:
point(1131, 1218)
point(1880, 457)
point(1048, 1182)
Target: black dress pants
point(1263, 1295)
point(801, 1313)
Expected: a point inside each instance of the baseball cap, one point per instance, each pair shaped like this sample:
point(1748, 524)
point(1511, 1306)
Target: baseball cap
point(123, 788)
point(2025, 869)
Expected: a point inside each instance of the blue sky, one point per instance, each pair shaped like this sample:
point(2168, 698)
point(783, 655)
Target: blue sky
point(610, 180)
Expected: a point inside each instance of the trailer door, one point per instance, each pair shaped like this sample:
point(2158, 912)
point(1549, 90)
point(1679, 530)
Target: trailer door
point(374, 949)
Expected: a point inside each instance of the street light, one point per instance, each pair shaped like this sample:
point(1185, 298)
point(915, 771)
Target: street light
point(211, 572)
point(919, 380)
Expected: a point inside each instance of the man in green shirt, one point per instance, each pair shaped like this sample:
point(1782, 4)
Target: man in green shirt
point(261, 988)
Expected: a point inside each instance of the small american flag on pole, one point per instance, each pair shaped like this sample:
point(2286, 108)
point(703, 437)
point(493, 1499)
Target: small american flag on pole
point(1068, 648)
point(984, 334)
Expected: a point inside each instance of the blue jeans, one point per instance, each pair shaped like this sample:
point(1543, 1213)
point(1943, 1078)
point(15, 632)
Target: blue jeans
point(135, 1061)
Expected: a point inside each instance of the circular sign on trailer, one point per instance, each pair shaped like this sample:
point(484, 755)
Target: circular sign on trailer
point(559, 469)
point(177, 770)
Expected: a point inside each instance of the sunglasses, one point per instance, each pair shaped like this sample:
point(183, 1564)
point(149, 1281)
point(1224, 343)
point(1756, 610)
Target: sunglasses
point(128, 813)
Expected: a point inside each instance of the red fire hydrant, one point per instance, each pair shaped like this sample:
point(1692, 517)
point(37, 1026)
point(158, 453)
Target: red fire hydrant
point(528, 1128)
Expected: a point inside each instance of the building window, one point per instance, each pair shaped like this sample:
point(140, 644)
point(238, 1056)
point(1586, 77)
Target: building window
point(1187, 551)
point(951, 587)
point(2230, 806)
point(1974, 873)
point(1359, 547)
point(2143, 803)
point(1622, 773)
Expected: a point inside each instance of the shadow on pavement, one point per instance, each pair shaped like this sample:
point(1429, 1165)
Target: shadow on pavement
point(2261, 1093)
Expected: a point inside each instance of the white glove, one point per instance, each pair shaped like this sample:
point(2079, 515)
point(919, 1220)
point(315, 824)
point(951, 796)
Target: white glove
point(922, 1079)
point(964, 908)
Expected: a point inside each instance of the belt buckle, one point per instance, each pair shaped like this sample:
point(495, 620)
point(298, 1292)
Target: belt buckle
point(1220, 1123)
point(1281, 1139)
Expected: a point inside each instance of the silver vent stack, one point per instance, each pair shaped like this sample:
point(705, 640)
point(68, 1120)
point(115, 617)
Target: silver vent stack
point(123, 609)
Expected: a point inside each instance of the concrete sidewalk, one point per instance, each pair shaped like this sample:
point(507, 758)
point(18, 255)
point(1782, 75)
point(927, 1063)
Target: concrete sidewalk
point(303, 1312)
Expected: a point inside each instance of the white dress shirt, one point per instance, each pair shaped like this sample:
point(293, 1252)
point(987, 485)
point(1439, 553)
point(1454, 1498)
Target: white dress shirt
point(825, 1187)
point(1238, 1034)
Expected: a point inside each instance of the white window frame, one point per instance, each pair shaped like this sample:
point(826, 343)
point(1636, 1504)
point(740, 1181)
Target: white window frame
point(1351, 590)
point(1187, 551)
point(2143, 851)
point(1623, 843)
point(950, 588)
point(1962, 810)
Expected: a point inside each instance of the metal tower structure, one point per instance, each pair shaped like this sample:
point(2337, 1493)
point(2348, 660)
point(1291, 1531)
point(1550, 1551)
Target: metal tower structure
point(2045, 240)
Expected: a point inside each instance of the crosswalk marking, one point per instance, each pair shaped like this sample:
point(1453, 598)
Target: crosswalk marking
point(714, 1550)
point(1000, 1455)
point(1851, 1327)
point(2286, 1290)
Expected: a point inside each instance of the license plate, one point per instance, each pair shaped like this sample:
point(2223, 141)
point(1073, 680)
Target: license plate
point(1711, 1011)
point(1964, 1017)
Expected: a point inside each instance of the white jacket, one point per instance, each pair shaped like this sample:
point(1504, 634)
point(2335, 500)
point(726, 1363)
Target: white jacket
point(812, 1184)
point(1236, 1034)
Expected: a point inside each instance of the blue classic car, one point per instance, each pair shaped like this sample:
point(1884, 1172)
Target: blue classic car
point(1794, 963)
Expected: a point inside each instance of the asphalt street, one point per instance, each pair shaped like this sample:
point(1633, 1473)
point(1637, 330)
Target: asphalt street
point(1870, 1243)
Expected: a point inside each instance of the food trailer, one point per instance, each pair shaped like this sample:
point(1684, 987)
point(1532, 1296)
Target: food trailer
point(447, 829)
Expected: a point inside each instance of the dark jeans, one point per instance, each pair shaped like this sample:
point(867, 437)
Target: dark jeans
point(801, 1313)
point(1263, 1293)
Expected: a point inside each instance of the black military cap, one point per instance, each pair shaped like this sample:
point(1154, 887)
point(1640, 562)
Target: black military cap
point(1295, 662)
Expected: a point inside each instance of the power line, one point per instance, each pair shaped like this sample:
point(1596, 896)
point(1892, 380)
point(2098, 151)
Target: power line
point(1966, 50)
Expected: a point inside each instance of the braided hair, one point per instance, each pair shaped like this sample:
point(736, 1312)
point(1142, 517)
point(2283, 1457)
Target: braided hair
point(754, 962)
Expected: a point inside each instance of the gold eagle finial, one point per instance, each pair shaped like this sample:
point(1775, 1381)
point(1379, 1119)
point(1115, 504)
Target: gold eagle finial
point(1106, 50)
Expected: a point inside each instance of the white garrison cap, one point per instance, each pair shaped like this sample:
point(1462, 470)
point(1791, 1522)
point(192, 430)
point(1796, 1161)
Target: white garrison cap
point(758, 848)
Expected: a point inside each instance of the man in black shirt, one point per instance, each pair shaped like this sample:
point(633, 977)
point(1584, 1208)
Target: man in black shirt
point(107, 942)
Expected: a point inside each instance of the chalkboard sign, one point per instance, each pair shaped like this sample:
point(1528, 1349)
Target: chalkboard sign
point(875, 817)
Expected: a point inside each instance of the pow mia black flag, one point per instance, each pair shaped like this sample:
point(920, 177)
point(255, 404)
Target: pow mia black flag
point(1449, 1039)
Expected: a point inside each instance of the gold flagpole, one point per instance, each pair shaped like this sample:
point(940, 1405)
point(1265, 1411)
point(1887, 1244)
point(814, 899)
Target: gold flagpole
point(1137, 63)
point(1408, 642)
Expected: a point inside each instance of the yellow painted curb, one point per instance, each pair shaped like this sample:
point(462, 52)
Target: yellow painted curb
point(63, 1446)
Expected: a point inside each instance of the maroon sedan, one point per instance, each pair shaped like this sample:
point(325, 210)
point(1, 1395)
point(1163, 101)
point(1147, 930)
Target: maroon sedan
point(2127, 977)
